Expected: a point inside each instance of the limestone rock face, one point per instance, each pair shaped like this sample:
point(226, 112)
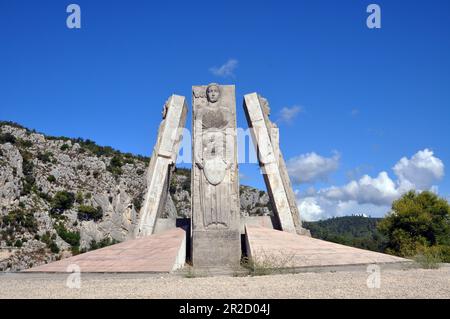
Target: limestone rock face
point(34, 168)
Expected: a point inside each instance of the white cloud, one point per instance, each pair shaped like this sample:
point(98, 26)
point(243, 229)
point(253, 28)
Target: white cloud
point(311, 167)
point(287, 114)
point(226, 70)
point(309, 209)
point(370, 195)
point(419, 172)
point(379, 191)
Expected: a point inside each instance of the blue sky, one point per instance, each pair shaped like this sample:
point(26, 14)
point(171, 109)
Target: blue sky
point(358, 100)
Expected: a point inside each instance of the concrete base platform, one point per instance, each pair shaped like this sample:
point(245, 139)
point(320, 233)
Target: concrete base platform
point(164, 252)
point(270, 248)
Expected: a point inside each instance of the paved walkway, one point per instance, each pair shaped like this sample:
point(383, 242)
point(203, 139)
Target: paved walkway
point(286, 250)
point(157, 253)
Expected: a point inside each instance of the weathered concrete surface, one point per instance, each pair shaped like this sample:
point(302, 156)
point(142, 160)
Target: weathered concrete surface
point(163, 252)
point(266, 140)
point(162, 162)
point(215, 179)
point(286, 250)
point(258, 221)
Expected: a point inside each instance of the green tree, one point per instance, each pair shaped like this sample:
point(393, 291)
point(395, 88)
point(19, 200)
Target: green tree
point(418, 221)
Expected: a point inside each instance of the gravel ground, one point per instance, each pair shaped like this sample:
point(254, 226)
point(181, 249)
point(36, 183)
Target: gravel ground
point(413, 283)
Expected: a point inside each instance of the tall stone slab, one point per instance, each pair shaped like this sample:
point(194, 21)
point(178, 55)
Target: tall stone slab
point(266, 140)
point(215, 178)
point(162, 162)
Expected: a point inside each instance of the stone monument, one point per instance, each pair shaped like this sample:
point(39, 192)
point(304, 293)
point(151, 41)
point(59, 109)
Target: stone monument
point(266, 140)
point(215, 219)
point(162, 163)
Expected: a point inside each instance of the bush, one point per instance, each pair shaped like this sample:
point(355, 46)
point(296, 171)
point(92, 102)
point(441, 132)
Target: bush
point(62, 201)
point(115, 165)
point(18, 243)
point(429, 257)
point(51, 178)
point(27, 169)
point(54, 247)
point(20, 219)
point(137, 202)
point(72, 238)
point(90, 213)
point(64, 147)
point(51, 244)
point(45, 157)
point(24, 143)
point(79, 198)
point(103, 243)
point(7, 138)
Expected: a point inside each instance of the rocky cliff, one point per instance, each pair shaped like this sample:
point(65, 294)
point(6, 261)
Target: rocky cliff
point(61, 196)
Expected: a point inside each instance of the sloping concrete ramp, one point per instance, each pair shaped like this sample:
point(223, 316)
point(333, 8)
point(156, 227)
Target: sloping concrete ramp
point(164, 252)
point(271, 248)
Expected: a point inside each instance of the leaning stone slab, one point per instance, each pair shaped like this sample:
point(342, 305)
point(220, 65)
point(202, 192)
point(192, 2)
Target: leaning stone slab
point(266, 140)
point(215, 178)
point(162, 163)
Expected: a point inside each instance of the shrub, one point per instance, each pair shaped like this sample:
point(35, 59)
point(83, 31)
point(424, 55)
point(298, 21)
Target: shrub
point(72, 238)
point(54, 247)
point(51, 178)
point(45, 157)
point(18, 243)
point(20, 219)
point(24, 143)
point(90, 213)
point(64, 147)
point(7, 138)
point(186, 184)
point(103, 243)
point(62, 201)
point(115, 165)
point(79, 198)
point(51, 244)
point(27, 169)
point(137, 202)
point(429, 257)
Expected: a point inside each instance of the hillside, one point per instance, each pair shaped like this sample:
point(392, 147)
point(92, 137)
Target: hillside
point(60, 196)
point(356, 231)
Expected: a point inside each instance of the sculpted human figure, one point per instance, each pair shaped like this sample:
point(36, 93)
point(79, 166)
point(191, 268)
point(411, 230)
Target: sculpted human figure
point(212, 157)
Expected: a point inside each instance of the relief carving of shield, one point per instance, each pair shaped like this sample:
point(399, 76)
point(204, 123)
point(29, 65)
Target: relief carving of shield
point(215, 170)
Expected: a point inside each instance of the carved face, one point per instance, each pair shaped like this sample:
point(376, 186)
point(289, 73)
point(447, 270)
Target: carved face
point(213, 93)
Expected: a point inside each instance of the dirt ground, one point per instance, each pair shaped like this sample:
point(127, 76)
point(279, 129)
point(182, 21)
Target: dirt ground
point(412, 283)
